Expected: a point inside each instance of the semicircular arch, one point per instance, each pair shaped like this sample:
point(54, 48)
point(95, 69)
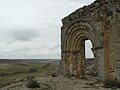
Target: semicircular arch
point(78, 30)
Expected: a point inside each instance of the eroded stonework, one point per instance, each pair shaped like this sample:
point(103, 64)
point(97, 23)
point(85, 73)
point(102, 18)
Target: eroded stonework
point(100, 23)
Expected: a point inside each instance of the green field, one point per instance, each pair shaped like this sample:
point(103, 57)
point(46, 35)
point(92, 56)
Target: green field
point(13, 71)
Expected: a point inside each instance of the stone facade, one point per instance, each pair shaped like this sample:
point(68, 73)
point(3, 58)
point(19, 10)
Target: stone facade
point(100, 23)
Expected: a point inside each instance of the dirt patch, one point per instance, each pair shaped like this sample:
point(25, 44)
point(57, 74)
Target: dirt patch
point(61, 83)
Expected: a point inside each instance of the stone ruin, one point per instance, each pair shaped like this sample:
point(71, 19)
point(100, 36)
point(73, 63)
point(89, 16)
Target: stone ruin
point(99, 23)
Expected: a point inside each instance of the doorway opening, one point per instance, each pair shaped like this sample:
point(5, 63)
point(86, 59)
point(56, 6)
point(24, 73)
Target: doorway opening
point(90, 68)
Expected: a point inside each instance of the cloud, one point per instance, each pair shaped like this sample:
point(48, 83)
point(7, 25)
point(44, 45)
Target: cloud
point(10, 42)
point(31, 28)
point(54, 47)
point(24, 49)
point(24, 35)
point(81, 1)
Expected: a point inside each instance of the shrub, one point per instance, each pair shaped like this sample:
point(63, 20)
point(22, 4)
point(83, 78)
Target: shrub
point(111, 84)
point(33, 70)
point(33, 84)
point(46, 65)
point(54, 75)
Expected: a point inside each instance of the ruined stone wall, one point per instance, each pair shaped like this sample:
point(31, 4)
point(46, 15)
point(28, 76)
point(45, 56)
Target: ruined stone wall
point(99, 22)
point(113, 28)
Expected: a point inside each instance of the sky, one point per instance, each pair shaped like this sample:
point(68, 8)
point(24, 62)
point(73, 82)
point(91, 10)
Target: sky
point(30, 29)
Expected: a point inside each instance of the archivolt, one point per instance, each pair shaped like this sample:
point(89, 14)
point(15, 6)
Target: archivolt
point(79, 31)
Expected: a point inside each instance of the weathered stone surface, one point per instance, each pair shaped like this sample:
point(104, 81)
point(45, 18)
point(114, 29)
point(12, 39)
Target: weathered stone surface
point(100, 23)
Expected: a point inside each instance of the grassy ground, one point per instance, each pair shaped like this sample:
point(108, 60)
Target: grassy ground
point(22, 75)
point(11, 72)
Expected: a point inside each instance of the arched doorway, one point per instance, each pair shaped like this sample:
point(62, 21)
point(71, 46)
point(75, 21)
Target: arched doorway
point(90, 68)
point(73, 48)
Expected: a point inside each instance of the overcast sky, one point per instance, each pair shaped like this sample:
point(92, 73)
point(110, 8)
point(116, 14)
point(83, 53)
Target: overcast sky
point(31, 28)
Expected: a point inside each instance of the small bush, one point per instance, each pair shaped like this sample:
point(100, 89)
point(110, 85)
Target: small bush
point(54, 75)
point(33, 70)
point(46, 65)
point(111, 84)
point(4, 74)
point(33, 84)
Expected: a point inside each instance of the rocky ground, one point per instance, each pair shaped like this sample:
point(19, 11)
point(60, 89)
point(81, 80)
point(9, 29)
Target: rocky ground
point(61, 83)
point(51, 82)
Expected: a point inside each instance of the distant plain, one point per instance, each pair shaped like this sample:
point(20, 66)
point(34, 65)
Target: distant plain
point(12, 71)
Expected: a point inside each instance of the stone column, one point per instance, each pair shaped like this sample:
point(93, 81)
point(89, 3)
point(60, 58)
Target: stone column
point(71, 59)
point(74, 63)
point(81, 61)
point(66, 64)
point(100, 63)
